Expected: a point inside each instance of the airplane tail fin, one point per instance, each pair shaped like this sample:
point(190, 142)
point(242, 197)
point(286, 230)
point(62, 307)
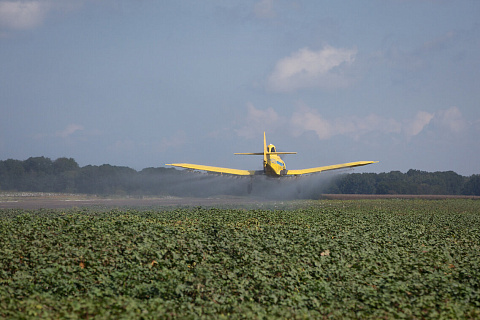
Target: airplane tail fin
point(264, 149)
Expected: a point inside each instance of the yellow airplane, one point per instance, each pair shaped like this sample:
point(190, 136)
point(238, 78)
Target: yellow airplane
point(273, 165)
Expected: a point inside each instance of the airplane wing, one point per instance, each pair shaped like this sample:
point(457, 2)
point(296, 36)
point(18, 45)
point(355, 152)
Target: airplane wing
point(332, 167)
point(216, 169)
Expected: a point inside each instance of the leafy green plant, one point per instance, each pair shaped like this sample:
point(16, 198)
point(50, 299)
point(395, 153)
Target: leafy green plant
point(339, 259)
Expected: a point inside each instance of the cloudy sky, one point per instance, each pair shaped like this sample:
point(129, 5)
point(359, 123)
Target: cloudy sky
point(144, 83)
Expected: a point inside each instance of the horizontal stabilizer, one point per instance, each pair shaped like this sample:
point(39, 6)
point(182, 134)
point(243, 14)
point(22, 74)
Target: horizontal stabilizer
point(261, 153)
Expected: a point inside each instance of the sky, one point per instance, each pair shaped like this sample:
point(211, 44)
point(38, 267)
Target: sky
point(144, 83)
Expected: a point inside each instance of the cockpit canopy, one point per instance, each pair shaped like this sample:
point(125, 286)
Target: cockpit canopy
point(271, 148)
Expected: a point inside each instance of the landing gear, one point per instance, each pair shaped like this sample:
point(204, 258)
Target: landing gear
point(250, 187)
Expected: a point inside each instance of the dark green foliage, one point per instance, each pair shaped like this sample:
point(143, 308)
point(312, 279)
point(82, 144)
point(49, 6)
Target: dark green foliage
point(12, 174)
point(472, 186)
point(413, 182)
point(64, 165)
point(337, 259)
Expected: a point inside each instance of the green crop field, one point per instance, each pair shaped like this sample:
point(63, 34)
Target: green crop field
point(335, 259)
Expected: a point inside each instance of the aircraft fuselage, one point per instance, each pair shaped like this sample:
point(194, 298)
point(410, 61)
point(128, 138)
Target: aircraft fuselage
point(274, 165)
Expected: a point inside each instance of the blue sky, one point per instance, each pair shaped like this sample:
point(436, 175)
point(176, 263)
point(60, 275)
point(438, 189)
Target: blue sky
point(144, 83)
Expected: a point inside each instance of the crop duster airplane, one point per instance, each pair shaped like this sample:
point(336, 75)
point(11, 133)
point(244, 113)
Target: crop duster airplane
point(273, 165)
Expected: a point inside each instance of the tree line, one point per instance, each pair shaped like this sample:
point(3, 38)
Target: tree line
point(413, 182)
point(64, 175)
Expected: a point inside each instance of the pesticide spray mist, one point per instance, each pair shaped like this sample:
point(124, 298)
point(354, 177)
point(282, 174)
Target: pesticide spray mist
point(196, 184)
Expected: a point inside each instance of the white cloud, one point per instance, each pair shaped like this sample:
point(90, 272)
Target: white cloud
point(307, 69)
point(415, 126)
point(69, 130)
point(439, 43)
point(305, 119)
point(258, 121)
point(451, 119)
point(23, 14)
point(29, 14)
point(72, 132)
point(308, 119)
point(264, 9)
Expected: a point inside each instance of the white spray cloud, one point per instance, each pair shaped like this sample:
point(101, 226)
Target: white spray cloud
point(308, 69)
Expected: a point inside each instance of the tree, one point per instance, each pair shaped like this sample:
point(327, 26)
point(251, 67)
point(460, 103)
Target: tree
point(357, 183)
point(472, 186)
point(64, 164)
point(12, 174)
point(39, 165)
